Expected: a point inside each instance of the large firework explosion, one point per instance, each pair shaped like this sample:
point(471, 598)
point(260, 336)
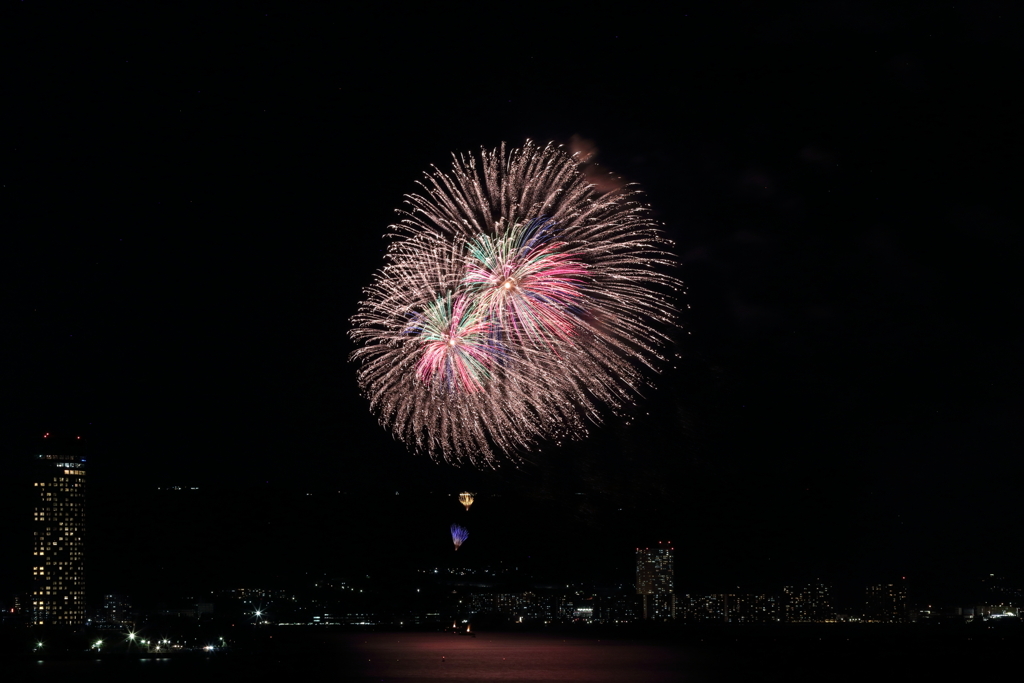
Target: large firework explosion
point(517, 303)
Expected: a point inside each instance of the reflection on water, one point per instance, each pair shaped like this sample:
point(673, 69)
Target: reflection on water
point(515, 657)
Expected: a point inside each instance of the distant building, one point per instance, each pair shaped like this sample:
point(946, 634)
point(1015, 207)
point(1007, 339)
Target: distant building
point(810, 602)
point(621, 609)
point(116, 609)
point(997, 589)
point(734, 608)
point(519, 607)
point(697, 608)
point(655, 575)
point(751, 608)
point(20, 603)
point(886, 603)
point(58, 531)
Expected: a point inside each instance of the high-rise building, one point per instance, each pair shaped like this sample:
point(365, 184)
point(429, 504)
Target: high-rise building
point(58, 530)
point(654, 578)
point(886, 603)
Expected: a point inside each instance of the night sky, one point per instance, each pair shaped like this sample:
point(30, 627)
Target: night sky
point(192, 202)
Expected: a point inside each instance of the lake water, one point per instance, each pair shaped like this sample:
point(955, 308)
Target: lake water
point(513, 657)
point(431, 657)
point(401, 657)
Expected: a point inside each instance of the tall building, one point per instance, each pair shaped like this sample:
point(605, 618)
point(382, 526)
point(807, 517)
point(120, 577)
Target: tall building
point(886, 603)
point(58, 529)
point(654, 578)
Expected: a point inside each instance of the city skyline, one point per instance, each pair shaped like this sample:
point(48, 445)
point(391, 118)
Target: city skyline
point(481, 595)
point(651, 576)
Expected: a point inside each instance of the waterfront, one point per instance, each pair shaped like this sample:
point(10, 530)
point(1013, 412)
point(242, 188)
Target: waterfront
point(433, 657)
point(419, 657)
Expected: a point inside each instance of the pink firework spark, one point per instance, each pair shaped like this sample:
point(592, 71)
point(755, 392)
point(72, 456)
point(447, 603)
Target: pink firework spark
point(527, 284)
point(457, 346)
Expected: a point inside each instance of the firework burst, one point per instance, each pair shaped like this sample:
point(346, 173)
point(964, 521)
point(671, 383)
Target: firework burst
point(518, 303)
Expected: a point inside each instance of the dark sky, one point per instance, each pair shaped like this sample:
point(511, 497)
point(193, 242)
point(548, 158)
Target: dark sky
point(193, 200)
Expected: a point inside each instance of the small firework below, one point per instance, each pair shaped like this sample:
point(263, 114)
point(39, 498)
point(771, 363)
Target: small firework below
point(459, 535)
point(466, 498)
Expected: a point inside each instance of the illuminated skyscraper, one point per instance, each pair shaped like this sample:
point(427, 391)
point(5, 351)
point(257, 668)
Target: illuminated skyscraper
point(654, 577)
point(58, 528)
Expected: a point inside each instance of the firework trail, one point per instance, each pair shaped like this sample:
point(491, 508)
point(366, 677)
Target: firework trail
point(517, 304)
point(459, 535)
